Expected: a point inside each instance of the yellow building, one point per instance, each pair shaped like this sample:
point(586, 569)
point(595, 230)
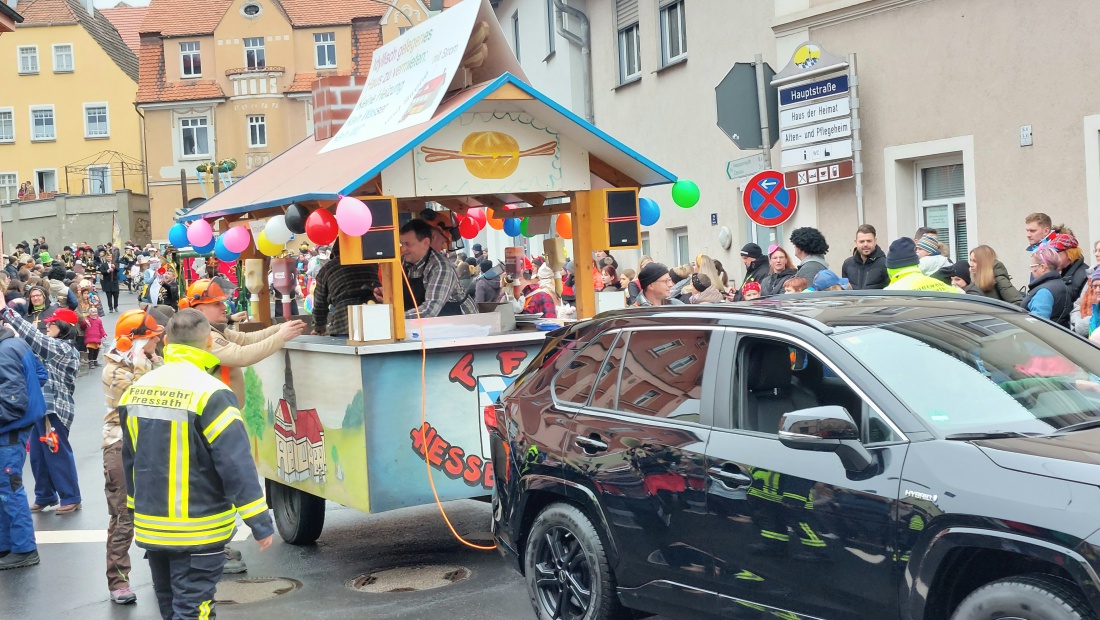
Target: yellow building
point(233, 81)
point(67, 87)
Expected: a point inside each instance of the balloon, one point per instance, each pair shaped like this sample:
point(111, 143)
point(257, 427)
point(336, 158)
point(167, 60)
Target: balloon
point(295, 218)
point(685, 193)
point(267, 248)
point(648, 211)
point(321, 227)
point(523, 227)
point(205, 249)
point(223, 253)
point(177, 236)
point(494, 223)
point(162, 271)
point(511, 227)
point(468, 228)
point(353, 217)
point(309, 304)
point(564, 226)
point(236, 240)
point(200, 234)
point(276, 231)
point(478, 215)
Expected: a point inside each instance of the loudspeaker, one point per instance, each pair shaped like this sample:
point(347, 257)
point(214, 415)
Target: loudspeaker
point(616, 224)
point(380, 244)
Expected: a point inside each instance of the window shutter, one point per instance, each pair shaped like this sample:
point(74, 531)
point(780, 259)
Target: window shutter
point(663, 3)
point(626, 13)
point(942, 182)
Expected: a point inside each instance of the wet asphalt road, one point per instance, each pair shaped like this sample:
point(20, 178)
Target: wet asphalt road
point(70, 581)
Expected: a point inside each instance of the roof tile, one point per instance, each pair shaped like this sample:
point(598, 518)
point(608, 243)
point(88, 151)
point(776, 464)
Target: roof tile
point(303, 82)
point(127, 21)
point(173, 18)
point(46, 13)
point(153, 89)
point(57, 12)
point(308, 13)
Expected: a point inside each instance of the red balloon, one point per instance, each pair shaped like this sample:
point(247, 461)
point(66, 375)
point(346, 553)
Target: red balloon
point(468, 228)
point(321, 227)
point(477, 214)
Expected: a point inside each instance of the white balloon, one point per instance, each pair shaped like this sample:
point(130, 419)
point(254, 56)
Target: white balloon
point(276, 230)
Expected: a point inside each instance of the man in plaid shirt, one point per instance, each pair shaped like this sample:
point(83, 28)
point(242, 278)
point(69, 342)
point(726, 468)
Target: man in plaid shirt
point(52, 459)
point(340, 286)
point(434, 283)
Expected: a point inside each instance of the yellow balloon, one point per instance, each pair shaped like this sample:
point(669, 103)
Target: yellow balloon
point(266, 247)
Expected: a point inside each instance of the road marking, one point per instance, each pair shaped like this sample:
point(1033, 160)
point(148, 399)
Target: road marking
point(59, 537)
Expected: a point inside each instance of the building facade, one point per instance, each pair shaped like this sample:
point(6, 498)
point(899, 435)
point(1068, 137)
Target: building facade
point(233, 81)
point(67, 120)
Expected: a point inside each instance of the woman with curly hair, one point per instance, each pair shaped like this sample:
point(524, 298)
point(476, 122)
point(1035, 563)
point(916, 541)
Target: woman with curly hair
point(810, 249)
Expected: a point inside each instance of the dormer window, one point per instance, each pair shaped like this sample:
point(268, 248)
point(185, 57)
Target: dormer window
point(251, 9)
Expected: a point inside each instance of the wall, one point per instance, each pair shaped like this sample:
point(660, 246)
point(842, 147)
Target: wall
point(95, 78)
point(973, 72)
point(73, 219)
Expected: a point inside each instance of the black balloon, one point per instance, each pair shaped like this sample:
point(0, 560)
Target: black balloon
point(296, 218)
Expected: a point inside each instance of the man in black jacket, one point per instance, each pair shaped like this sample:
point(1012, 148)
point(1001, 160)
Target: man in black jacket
point(865, 269)
point(756, 266)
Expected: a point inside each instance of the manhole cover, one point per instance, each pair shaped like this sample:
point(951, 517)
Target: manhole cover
point(253, 589)
point(409, 579)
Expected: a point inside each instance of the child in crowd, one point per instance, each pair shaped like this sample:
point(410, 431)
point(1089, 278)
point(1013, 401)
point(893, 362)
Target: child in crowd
point(795, 285)
point(750, 291)
point(94, 335)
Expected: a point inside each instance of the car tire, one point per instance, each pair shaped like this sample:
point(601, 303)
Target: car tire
point(1025, 597)
point(566, 569)
point(299, 516)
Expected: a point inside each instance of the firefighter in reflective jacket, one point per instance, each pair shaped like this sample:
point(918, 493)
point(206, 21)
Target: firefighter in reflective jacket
point(189, 471)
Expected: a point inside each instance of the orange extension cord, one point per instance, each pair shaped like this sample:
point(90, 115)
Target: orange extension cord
point(423, 419)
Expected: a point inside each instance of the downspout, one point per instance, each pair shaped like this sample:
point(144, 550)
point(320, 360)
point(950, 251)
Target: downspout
point(584, 42)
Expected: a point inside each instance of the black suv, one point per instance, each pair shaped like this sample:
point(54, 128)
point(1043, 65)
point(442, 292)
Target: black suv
point(828, 455)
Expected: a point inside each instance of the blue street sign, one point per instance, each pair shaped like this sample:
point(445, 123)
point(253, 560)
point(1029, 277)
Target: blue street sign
point(713, 219)
point(814, 90)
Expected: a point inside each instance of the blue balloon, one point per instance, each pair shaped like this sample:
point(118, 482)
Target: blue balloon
point(648, 211)
point(512, 227)
point(223, 252)
point(208, 248)
point(177, 236)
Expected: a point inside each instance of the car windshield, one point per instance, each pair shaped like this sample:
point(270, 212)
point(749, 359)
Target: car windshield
point(983, 373)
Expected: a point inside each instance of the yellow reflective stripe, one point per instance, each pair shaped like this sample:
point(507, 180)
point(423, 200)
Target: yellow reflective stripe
point(198, 402)
point(252, 509)
point(173, 471)
point(222, 422)
point(228, 529)
point(204, 610)
point(142, 537)
point(130, 502)
point(182, 527)
point(132, 423)
point(169, 521)
point(185, 474)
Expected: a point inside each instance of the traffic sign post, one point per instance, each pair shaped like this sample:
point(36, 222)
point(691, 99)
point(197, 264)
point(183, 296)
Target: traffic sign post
point(738, 101)
point(767, 199)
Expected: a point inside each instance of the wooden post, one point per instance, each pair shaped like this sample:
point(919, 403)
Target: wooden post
point(393, 293)
point(582, 255)
point(183, 187)
point(262, 314)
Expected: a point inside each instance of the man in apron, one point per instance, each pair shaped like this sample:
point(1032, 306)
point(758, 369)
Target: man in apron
point(435, 289)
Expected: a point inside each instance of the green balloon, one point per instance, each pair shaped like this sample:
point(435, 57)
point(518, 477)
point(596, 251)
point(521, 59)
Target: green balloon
point(523, 228)
point(685, 193)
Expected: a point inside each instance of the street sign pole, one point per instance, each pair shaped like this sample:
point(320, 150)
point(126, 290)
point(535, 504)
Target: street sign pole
point(765, 142)
point(857, 145)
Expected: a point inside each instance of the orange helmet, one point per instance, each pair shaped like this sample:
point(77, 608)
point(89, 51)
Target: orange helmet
point(133, 325)
point(205, 291)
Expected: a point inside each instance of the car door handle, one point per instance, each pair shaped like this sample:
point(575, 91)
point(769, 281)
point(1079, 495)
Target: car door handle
point(732, 479)
point(591, 445)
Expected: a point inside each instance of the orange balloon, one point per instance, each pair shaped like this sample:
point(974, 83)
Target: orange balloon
point(494, 223)
point(564, 226)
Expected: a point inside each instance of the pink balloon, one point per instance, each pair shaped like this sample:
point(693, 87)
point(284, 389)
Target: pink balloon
point(236, 239)
point(200, 233)
point(353, 217)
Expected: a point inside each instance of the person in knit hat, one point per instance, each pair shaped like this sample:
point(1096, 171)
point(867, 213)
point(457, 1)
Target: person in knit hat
point(961, 278)
point(903, 267)
point(656, 286)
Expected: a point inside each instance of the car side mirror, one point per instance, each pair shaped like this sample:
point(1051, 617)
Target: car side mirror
point(826, 429)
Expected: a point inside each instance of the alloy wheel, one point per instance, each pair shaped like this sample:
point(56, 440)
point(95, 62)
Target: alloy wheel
point(563, 576)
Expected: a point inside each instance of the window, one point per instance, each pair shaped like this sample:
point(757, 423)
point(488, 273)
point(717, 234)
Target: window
point(607, 383)
point(662, 373)
point(46, 180)
point(99, 179)
point(254, 53)
point(630, 55)
point(62, 58)
point(257, 130)
point(325, 44)
point(28, 59)
point(251, 9)
point(515, 33)
point(403, 29)
point(96, 124)
point(7, 125)
point(190, 59)
point(42, 124)
point(551, 34)
point(646, 247)
point(673, 32)
point(574, 383)
point(194, 137)
point(9, 187)
point(943, 206)
point(680, 246)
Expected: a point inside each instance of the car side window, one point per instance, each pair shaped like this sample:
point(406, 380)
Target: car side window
point(607, 384)
point(662, 373)
point(777, 377)
point(574, 383)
